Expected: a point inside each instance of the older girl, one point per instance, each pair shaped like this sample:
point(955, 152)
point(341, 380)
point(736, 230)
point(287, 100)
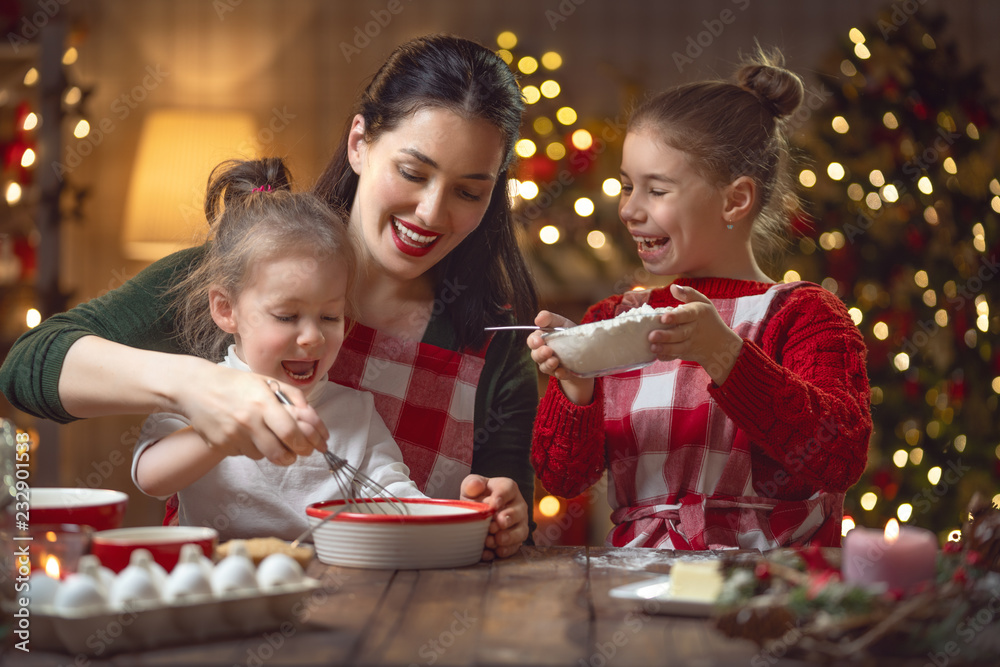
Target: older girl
point(755, 420)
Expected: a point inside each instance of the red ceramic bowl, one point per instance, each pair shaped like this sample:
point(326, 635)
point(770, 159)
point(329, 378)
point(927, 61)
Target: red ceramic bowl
point(115, 547)
point(101, 509)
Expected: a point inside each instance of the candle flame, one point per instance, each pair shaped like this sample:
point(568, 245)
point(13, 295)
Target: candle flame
point(52, 566)
point(891, 531)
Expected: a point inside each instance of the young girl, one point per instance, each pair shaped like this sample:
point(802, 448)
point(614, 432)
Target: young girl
point(754, 420)
point(270, 297)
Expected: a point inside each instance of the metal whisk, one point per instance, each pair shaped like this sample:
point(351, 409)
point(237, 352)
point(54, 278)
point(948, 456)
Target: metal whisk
point(360, 492)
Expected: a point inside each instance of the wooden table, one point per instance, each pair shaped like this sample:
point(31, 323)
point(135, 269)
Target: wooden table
point(546, 606)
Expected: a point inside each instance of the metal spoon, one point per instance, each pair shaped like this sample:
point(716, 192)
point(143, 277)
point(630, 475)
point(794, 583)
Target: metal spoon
point(525, 327)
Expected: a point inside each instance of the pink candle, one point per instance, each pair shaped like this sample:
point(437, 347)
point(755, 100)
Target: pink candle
point(902, 558)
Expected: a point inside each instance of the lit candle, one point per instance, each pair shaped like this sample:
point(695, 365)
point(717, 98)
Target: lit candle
point(901, 558)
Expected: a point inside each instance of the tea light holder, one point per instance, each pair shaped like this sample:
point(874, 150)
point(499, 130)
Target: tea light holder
point(55, 549)
point(898, 558)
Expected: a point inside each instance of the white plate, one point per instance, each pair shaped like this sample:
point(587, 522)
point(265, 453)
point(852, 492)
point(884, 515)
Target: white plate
point(656, 595)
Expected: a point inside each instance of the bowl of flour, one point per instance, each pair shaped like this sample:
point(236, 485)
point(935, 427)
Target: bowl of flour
point(609, 346)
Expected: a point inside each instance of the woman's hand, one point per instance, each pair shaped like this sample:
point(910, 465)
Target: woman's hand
point(697, 333)
point(509, 527)
point(239, 413)
point(579, 390)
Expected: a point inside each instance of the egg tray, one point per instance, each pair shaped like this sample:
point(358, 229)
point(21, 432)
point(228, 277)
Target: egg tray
point(137, 628)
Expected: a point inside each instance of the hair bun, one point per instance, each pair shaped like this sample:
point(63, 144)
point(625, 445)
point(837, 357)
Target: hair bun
point(777, 88)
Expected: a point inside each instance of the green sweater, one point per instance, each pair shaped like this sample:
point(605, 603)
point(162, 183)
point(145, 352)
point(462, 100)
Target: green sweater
point(136, 314)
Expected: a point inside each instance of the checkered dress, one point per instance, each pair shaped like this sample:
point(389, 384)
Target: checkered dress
point(425, 394)
point(680, 473)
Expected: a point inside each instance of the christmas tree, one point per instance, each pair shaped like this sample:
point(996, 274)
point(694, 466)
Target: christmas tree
point(902, 197)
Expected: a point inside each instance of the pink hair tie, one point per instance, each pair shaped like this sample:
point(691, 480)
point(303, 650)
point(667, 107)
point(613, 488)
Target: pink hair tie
point(262, 188)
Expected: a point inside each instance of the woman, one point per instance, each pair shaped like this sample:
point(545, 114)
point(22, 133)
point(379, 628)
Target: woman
point(422, 173)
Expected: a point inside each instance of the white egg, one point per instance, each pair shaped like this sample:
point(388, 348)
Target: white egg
point(234, 574)
point(80, 593)
point(134, 586)
point(42, 589)
point(187, 583)
point(142, 558)
point(90, 565)
point(278, 570)
point(192, 553)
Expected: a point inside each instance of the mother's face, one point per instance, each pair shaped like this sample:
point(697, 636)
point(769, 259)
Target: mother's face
point(423, 187)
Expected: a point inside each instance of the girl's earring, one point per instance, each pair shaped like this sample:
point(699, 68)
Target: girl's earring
point(729, 225)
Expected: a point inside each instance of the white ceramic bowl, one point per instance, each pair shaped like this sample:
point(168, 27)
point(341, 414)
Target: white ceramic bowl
point(609, 346)
point(435, 534)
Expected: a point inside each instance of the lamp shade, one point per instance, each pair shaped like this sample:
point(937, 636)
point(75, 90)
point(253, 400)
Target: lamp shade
point(164, 209)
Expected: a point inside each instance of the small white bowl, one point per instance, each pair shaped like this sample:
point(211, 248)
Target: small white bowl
point(435, 534)
point(609, 346)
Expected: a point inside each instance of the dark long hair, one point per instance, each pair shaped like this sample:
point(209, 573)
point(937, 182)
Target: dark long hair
point(487, 269)
point(253, 216)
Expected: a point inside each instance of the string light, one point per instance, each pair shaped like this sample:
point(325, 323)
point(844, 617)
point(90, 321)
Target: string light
point(82, 129)
point(847, 525)
point(611, 187)
point(507, 40)
point(566, 115)
point(901, 361)
point(596, 239)
point(900, 457)
point(543, 125)
point(856, 315)
point(527, 190)
point(555, 151)
point(70, 56)
point(32, 318)
point(551, 60)
point(525, 147)
point(880, 330)
point(30, 121)
point(836, 171)
point(904, 512)
point(791, 276)
point(550, 88)
point(920, 278)
point(31, 77)
point(868, 501)
point(889, 120)
point(934, 475)
point(916, 455)
point(13, 193)
point(27, 158)
point(840, 125)
point(527, 65)
point(584, 207)
point(548, 234)
point(960, 443)
point(924, 185)
point(582, 140)
point(862, 52)
point(73, 96)
point(807, 178)
point(531, 94)
point(549, 506)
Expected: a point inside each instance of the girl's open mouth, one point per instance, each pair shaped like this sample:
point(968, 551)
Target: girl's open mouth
point(650, 243)
point(301, 371)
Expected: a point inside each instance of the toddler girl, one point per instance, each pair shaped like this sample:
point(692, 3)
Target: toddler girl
point(270, 297)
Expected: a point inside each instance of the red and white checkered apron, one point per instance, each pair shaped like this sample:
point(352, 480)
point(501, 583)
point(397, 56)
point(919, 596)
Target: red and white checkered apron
point(426, 395)
point(680, 475)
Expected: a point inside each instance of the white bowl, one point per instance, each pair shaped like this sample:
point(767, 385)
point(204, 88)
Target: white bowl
point(609, 346)
point(435, 534)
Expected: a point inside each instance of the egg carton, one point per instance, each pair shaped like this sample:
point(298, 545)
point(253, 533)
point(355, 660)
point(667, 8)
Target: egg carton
point(140, 627)
point(97, 612)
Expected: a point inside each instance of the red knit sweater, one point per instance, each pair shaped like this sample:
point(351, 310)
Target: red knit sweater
point(802, 398)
